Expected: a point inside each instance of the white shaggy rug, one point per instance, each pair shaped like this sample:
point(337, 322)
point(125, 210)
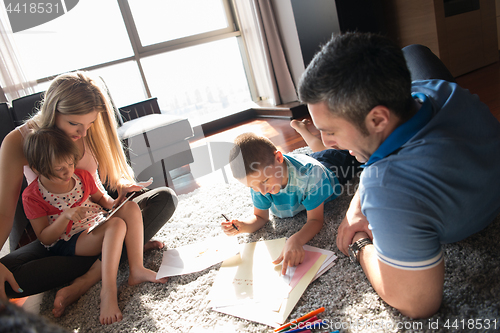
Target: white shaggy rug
point(471, 290)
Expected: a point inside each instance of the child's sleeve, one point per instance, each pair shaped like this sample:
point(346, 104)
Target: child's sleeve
point(320, 187)
point(33, 208)
point(260, 201)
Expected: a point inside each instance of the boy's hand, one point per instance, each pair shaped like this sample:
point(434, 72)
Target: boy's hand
point(77, 213)
point(291, 255)
point(229, 227)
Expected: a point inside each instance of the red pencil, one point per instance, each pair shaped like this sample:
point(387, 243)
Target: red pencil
point(310, 314)
point(299, 324)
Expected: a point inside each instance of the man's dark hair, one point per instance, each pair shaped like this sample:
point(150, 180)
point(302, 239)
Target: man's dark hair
point(353, 73)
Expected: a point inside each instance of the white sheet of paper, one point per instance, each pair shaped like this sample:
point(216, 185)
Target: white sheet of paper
point(251, 276)
point(263, 311)
point(198, 256)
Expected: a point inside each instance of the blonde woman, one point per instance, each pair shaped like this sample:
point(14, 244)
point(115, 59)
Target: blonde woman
point(78, 105)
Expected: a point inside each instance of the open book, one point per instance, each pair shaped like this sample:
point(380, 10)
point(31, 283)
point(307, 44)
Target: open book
point(103, 217)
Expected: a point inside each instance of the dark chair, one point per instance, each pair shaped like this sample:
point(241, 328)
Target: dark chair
point(6, 123)
point(24, 107)
point(136, 110)
point(425, 65)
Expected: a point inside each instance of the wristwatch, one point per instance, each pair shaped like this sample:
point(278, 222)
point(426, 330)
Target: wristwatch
point(355, 247)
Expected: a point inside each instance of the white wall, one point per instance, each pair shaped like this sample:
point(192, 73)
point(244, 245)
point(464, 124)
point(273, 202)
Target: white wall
point(290, 39)
point(304, 25)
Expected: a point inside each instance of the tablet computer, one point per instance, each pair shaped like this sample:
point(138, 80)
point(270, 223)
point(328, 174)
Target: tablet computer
point(103, 217)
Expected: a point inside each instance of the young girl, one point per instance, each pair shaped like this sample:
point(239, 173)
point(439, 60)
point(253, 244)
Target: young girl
point(64, 202)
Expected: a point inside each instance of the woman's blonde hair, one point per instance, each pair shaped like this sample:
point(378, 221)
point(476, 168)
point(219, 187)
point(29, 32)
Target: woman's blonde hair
point(77, 93)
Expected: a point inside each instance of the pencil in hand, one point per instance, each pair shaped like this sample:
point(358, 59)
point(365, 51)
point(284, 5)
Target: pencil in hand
point(234, 226)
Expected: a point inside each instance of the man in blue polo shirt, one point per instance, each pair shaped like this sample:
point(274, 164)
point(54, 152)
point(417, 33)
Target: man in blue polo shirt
point(431, 152)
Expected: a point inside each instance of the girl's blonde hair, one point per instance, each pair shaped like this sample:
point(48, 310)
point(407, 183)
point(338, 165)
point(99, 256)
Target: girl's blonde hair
point(77, 93)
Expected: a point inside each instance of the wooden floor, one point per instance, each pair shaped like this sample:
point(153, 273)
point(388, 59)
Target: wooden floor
point(484, 82)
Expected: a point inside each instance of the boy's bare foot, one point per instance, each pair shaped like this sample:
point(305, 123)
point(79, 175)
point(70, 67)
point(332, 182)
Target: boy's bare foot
point(75, 290)
point(110, 312)
point(143, 275)
point(315, 143)
point(153, 245)
point(300, 126)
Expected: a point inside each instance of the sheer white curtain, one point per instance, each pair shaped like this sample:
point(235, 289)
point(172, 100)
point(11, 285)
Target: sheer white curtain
point(13, 82)
point(265, 51)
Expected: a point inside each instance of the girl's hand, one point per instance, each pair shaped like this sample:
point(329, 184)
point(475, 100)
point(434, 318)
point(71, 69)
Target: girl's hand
point(77, 213)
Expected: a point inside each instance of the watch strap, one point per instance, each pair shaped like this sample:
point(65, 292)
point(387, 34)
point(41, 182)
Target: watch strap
point(355, 247)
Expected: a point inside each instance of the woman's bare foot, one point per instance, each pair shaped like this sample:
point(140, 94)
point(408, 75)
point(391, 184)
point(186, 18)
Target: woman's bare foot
point(315, 143)
point(143, 274)
point(110, 312)
point(65, 297)
point(153, 245)
point(75, 290)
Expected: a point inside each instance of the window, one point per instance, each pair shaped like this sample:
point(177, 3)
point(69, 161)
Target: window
point(194, 86)
point(177, 19)
point(187, 53)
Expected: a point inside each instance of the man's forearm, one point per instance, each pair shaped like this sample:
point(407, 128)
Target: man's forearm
point(415, 293)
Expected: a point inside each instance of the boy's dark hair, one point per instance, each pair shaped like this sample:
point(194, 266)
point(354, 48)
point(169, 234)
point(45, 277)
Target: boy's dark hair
point(46, 146)
point(15, 319)
point(250, 154)
point(353, 73)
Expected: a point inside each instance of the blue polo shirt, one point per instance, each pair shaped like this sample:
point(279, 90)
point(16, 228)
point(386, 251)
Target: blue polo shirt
point(434, 180)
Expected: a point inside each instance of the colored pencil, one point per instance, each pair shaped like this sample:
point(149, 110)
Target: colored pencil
point(307, 316)
point(302, 330)
point(299, 324)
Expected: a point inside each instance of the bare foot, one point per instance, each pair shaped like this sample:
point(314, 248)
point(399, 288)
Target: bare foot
point(143, 275)
point(65, 297)
point(315, 143)
point(153, 245)
point(300, 126)
point(75, 290)
point(110, 312)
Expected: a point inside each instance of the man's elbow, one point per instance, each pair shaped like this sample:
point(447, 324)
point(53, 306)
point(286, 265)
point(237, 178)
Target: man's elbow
point(420, 308)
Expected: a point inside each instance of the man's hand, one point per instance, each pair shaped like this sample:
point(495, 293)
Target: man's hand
point(291, 255)
point(353, 222)
point(7, 276)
